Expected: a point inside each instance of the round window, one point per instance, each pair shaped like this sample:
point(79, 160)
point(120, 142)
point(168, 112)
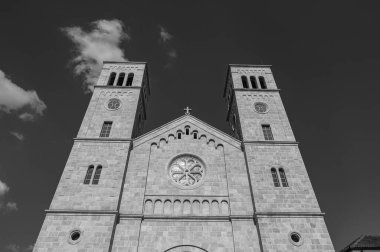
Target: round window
point(113, 104)
point(75, 236)
point(186, 171)
point(295, 238)
point(261, 107)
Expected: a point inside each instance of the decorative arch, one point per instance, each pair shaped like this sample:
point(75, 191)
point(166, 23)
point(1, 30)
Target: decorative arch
point(186, 248)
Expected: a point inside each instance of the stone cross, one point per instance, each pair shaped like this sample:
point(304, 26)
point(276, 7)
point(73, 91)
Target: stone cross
point(187, 109)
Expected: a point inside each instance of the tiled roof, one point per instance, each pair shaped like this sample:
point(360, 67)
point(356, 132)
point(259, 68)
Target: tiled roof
point(364, 242)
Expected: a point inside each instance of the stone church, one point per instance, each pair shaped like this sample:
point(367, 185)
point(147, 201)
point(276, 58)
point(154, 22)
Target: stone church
point(185, 186)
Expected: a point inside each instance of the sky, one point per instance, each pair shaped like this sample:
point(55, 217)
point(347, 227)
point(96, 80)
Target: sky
point(325, 58)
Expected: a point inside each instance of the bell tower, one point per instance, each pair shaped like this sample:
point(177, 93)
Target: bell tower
point(87, 199)
point(286, 210)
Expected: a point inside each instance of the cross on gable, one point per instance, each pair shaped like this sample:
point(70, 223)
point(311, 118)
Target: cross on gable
point(187, 109)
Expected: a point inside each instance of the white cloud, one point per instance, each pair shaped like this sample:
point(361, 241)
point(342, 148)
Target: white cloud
point(9, 206)
point(3, 189)
point(26, 117)
point(165, 36)
point(13, 97)
point(100, 44)
point(17, 135)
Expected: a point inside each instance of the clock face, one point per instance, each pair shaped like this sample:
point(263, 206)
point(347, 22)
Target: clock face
point(261, 107)
point(113, 104)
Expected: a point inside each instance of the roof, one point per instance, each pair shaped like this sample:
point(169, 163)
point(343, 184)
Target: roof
point(369, 242)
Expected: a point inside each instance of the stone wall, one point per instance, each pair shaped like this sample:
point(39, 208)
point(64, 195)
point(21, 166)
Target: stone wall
point(95, 232)
point(275, 233)
point(73, 194)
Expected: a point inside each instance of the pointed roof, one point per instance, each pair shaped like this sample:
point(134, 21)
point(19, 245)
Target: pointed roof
point(187, 119)
point(367, 242)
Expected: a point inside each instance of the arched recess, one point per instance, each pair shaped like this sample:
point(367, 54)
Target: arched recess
point(186, 248)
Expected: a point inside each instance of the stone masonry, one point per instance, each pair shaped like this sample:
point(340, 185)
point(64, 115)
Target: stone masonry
point(184, 186)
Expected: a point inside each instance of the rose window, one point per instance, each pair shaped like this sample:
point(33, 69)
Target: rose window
point(186, 171)
point(113, 104)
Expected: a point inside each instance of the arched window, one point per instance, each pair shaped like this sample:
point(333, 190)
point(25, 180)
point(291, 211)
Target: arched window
point(96, 178)
point(284, 181)
point(195, 134)
point(130, 79)
point(87, 179)
point(244, 80)
point(276, 182)
point(267, 131)
point(253, 81)
point(111, 79)
point(179, 135)
point(120, 80)
point(263, 85)
point(187, 131)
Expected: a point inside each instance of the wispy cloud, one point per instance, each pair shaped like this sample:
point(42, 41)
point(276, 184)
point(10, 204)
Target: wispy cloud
point(6, 207)
point(165, 36)
point(166, 41)
point(13, 98)
point(17, 135)
point(172, 53)
point(101, 43)
point(18, 248)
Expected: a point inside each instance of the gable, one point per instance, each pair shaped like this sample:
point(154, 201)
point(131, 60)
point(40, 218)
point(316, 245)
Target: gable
point(204, 131)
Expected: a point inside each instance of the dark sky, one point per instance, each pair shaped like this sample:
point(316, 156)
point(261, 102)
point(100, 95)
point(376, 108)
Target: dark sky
point(325, 57)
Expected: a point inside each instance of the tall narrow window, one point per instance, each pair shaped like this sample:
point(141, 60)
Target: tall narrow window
point(87, 179)
point(263, 85)
point(276, 182)
point(244, 80)
point(195, 134)
point(179, 135)
point(284, 181)
point(130, 79)
point(120, 80)
point(96, 178)
point(106, 129)
point(267, 131)
point(187, 131)
point(111, 79)
point(253, 81)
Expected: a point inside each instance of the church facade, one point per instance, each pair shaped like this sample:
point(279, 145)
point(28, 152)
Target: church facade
point(184, 186)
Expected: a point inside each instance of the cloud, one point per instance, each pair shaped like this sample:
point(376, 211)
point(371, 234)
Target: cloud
point(101, 43)
point(14, 248)
point(165, 36)
point(166, 42)
point(8, 206)
point(13, 97)
point(18, 248)
point(18, 135)
point(26, 117)
point(172, 54)
point(29, 248)
point(3, 189)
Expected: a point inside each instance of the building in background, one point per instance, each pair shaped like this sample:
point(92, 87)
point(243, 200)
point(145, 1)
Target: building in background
point(364, 243)
point(184, 186)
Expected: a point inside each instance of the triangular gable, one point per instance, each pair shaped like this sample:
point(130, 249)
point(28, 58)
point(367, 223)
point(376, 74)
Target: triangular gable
point(184, 120)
